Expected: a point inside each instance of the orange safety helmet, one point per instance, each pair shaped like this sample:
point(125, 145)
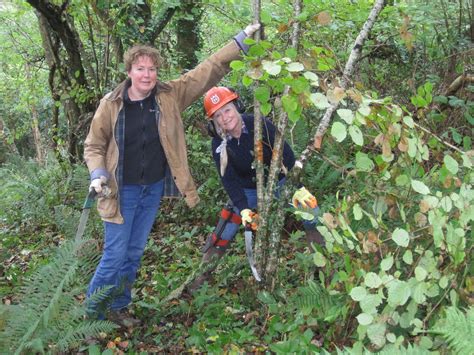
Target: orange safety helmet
point(217, 97)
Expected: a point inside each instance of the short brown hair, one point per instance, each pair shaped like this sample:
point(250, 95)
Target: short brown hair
point(140, 50)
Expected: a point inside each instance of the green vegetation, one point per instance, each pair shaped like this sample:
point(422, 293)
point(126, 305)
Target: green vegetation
point(394, 178)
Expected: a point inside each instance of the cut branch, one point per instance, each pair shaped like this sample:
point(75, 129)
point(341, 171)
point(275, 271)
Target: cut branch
point(316, 142)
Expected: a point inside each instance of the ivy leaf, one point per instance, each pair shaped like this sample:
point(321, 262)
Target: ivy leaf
point(398, 293)
point(295, 67)
point(420, 187)
point(339, 131)
point(319, 259)
point(320, 101)
point(346, 115)
point(401, 237)
point(451, 164)
point(372, 280)
point(376, 334)
point(358, 293)
point(272, 68)
point(356, 135)
point(365, 319)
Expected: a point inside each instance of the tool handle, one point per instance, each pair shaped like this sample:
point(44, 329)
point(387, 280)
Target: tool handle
point(90, 199)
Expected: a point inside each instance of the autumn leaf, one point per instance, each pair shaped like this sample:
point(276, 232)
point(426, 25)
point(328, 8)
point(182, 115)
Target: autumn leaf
point(323, 18)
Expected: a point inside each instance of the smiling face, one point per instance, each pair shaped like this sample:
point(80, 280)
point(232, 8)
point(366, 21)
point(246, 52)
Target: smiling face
point(229, 119)
point(143, 74)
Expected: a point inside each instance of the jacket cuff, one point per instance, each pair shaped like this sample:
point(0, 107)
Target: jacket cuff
point(239, 39)
point(97, 173)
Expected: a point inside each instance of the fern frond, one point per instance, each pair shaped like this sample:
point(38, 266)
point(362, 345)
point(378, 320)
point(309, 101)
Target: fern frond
point(457, 329)
point(73, 336)
point(315, 297)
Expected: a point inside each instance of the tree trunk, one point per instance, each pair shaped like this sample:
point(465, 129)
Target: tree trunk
point(187, 32)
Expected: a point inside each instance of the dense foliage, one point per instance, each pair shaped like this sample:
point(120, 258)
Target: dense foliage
point(394, 179)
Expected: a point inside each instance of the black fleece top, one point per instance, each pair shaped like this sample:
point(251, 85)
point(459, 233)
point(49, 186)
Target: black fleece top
point(240, 173)
point(144, 159)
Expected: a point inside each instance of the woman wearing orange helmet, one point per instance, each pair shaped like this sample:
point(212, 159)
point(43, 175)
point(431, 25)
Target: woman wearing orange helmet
point(233, 152)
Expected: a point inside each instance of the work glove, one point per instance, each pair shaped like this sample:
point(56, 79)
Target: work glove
point(250, 29)
point(249, 218)
point(100, 186)
point(304, 198)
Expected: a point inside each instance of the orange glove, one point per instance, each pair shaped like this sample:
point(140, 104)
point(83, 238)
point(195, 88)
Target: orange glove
point(304, 198)
point(249, 218)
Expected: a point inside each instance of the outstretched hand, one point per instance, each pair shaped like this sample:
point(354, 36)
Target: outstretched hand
point(251, 29)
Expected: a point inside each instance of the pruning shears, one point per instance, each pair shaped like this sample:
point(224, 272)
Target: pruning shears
point(249, 250)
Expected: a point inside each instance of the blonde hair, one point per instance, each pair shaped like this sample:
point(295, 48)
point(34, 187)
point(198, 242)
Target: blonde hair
point(140, 50)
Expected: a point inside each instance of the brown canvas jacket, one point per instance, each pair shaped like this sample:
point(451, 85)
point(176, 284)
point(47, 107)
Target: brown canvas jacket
point(100, 147)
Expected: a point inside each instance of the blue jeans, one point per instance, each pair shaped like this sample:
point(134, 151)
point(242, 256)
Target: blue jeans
point(125, 243)
point(231, 229)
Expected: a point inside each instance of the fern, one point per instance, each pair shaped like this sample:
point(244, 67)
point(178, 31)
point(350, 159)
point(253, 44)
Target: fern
point(48, 314)
point(457, 329)
point(315, 297)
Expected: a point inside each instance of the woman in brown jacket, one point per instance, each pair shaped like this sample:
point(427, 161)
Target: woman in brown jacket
point(136, 147)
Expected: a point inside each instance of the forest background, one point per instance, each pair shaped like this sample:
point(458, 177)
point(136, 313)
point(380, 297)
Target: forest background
point(393, 177)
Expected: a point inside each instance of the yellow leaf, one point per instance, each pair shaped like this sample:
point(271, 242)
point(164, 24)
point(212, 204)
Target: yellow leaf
point(323, 18)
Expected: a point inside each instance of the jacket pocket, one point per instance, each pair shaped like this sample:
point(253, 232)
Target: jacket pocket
point(107, 207)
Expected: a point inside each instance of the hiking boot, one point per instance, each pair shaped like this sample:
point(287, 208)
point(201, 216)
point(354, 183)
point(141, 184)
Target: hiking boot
point(123, 318)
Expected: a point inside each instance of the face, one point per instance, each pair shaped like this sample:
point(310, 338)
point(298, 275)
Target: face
point(228, 119)
point(143, 75)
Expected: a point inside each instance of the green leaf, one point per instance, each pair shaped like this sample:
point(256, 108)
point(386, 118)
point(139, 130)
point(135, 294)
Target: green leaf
point(398, 293)
point(262, 94)
point(420, 187)
point(237, 64)
point(364, 163)
point(358, 293)
point(408, 257)
point(365, 319)
point(386, 263)
point(346, 115)
point(339, 131)
point(320, 101)
point(265, 297)
point(356, 135)
point(357, 210)
point(319, 259)
point(376, 334)
point(402, 180)
point(451, 164)
point(401, 237)
point(372, 280)
point(312, 77)
point(420, 273)
point(290, 103)
point(272, 68)
point(266, 108)
point(291, 53)
point(295, 67)
point(364, 110)
point(370, 303)
point(409, 121)
point(265, 17)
